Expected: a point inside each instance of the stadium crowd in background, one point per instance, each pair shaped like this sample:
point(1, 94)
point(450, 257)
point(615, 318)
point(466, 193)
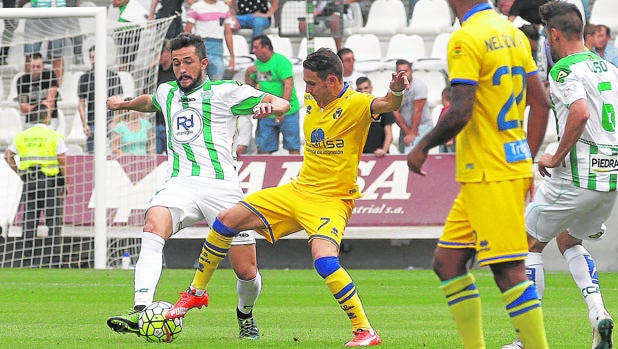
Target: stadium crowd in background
point(413, 117)
point(85, 107)
point(272, 72)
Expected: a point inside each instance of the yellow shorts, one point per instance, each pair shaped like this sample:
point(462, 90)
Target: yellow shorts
point(286, 209)
point(489, 217)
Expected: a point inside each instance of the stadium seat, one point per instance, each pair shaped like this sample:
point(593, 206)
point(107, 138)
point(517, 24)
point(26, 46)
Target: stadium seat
point(111, 50)
point(367, 51)
point(433, 74)
point(380, 80)
point(12, 123)
point(128, 84)
point(353, 19)
point(288, 17)
point(242, 53)
point(440, 44)
point(76, 134)
point(318, 42)
point(408, 47)
point(430, 18)
point(68, 91)
point(11, 188)
point(282, 45)
point(604, 12)
point(11, 99)
point(385, 18)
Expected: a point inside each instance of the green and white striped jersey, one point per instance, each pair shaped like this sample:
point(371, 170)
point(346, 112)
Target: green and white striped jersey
point(593, 161)
point(201, 126)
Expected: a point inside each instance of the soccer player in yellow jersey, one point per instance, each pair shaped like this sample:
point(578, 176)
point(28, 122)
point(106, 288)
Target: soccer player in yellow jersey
point(320, 199)
point(492, 77)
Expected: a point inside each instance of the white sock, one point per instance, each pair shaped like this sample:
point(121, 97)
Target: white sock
point(148, 268)
point(535, 272)
point(248, 292)
point(584, 273)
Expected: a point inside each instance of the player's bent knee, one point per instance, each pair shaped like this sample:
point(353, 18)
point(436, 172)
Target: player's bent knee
point(326, 265)
point(222, 229)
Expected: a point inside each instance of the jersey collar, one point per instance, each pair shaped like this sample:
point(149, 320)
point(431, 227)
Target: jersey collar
point(345, 88)
point(475, 9)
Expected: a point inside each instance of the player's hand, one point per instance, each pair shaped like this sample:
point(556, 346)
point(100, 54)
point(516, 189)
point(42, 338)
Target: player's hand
point(114, 102)
point(416, 159)
point(545, 162)
point(399, 82)
point(262, 110)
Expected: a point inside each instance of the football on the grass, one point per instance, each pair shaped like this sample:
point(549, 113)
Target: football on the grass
point(155, 327)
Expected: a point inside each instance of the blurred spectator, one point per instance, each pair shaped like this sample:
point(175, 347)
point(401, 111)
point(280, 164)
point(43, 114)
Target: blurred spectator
point(540, 51)
point(413, 117)
point(504, 6)
point(211, 19)
point(254, 14)
point(272, 73)
point(85, 92)
point(590, 36)
point(528, 10)
point(349, 74)
point(169, 8)
point(604, 47)
point(53, 27)
point(127, 36)
point(42, 168)
point(330, 12)
point(166, 73)
point(449, 146)
point(245, 143)
point(380, 134)
point(133, 135)
point(10, 24)
point(38, 86)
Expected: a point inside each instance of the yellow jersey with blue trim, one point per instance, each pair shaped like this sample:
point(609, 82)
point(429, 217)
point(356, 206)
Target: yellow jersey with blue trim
point(334, 139)
point(493, 55)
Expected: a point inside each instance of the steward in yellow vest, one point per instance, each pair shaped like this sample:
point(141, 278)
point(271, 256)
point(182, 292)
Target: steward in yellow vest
point(42, 168)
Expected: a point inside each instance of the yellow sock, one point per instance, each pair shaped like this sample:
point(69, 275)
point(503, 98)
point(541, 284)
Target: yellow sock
point(464, 301)
point(524, 307)
point(215, 248)
point(342, 287)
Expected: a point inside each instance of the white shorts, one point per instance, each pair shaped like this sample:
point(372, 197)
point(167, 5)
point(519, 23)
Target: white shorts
point(558, 205)
point(193, 199)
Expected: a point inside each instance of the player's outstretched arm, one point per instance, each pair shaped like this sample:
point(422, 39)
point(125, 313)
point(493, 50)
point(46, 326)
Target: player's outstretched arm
point(270, 105)
point(141, 103)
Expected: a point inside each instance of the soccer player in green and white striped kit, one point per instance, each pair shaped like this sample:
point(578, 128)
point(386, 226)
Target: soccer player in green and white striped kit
point(200, 116)
point(579, 193)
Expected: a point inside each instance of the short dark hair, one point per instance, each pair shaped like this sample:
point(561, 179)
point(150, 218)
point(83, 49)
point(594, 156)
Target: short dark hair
point(607, 30)
point(32, 56)
point(343, 51)
point(564, 17)
point(186, 40)
point(264, 41)
point(531, 32)
point(362, 80)
point(324, 62)
point(403, 62)
point(590, 29)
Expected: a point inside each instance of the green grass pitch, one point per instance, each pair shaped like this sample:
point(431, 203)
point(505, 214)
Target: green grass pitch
point(42, 308)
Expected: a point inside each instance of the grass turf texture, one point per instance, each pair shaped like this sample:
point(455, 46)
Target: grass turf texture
point(44, 308)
